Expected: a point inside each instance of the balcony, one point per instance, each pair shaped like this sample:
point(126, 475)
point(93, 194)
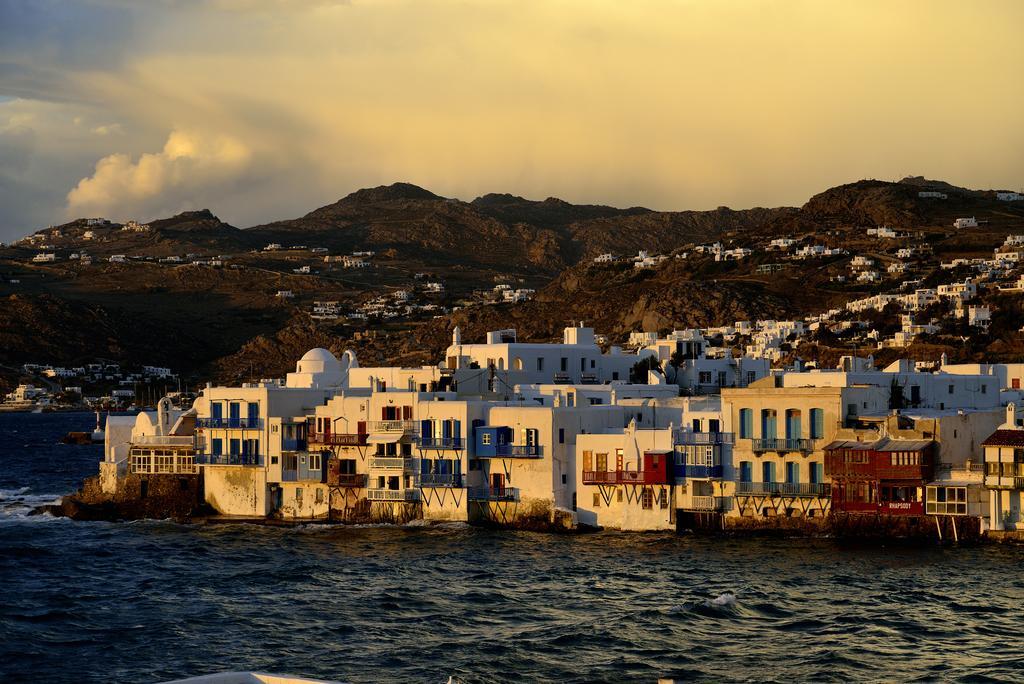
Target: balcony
point(511, 451)
point(165, 440)
point(699, 472)
point(439, 480)
point(719, 504)
point(230, 423)
point(704, 437)
point(428, 442)
point(338, 439)
point(230, 459)
point(780, 445)
point(293, 445)
point(783, 488)
point(391, 463)
point(618, 477)
point(405, 495)
point(561, 378)
point(493, 494)
point(393, 426)
point(346, 479)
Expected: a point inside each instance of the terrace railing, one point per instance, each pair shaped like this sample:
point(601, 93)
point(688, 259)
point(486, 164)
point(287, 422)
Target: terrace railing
point(231, 423)
point(393, 494)
point(783, 488)
point(775, 444)
point(493, 494)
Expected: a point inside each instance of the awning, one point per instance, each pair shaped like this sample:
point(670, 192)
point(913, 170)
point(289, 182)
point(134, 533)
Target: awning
point(384, 438)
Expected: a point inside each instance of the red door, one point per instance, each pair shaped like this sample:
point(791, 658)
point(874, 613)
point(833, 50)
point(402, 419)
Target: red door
point(498, 484)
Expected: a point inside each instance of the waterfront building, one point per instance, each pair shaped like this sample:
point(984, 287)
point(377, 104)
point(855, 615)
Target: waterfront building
point(577, 360)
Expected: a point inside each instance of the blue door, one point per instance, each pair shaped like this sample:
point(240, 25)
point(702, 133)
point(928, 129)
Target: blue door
point(216, 413)
point(817, 423)
point(254, 414)
point(234, 414)
point(768, 472)
point(746, 471)
point(817, 473)
point(768, 424)
point(792, 473)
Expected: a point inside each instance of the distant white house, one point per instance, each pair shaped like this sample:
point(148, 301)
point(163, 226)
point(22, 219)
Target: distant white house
point(44, 257)
point(272, 247)
point(966, 223)
point(1009, 196)
point(931, 194)
point(118, 259)
point(285, 294)
point(604, 258)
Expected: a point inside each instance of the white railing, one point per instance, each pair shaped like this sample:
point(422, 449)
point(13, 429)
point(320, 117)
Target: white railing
point(393, 494)
point(391, 462)
point(164, 440)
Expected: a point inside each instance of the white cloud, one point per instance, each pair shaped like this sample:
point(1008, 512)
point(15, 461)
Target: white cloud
point(190, 167)
point(107, 129)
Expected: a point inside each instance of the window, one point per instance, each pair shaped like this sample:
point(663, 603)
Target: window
point(588, 461)
point(561, 435)
point(704, 377)
point(663, 499)
point(485, 438)
point(602, 463)
point(768, 472)
point(746, 471)
point(563, 478)
point(619, 496)
point(817, 423)
point(540, 364)
point(647, 499)
point(984, 388)
point(768, 421)
point(314, 462)
point(951, 389)
point(565, 364)
point(597, 500)
point(235, 446)
point(217, 446)
point(817, 472)
point(792, 473)
point(794, 426)
point(746, 423)
point(615, 375)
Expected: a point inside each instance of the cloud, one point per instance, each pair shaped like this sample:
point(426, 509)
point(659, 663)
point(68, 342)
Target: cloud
point(672, 105)
point(190, 166)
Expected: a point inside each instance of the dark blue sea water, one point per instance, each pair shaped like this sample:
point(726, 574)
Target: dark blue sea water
point(149, 601)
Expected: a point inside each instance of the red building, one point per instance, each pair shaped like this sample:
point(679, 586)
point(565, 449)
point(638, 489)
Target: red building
point(887, 476)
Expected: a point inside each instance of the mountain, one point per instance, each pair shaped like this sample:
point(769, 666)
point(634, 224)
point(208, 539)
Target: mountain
point(229, 321)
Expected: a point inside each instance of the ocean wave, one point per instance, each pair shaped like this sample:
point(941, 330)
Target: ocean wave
point(19, 503)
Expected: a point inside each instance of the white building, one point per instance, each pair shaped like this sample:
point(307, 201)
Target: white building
point(966, 223)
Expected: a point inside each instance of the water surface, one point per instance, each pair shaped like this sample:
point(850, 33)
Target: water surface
point(147, 601)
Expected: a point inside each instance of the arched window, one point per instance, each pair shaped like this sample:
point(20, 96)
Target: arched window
point(769, 418)
point(517, 364)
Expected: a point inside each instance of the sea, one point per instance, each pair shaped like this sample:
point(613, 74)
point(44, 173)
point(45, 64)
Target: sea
point(155, 600)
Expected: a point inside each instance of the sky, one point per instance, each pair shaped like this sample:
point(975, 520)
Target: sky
point(266, 109)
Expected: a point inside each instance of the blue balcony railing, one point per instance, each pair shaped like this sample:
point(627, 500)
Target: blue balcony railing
point(511, 451)
point(293, 445)
point(782, 445)
point(439, 480)
point(430, 442)
point(493, 494)
point(230, 459)
point(698, 472)
point(242, 423)
point(783, 488)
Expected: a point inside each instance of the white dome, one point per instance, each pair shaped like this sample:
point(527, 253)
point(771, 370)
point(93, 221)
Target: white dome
point(318, 361)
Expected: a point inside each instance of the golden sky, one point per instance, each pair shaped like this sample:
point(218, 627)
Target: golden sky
point(265, 109)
